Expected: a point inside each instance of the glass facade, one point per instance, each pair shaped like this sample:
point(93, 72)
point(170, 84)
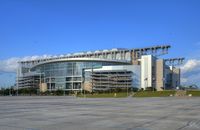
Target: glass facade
point(66, 75)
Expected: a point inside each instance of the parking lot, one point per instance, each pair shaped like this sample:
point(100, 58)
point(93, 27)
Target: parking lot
point(70, 113)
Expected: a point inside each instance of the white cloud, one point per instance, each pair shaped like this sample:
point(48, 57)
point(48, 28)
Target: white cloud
point(190, 65)
point(10, 65)
point(184, 80)
point(191, 72)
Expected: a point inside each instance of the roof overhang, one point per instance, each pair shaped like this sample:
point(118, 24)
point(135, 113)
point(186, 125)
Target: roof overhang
point(82, 60)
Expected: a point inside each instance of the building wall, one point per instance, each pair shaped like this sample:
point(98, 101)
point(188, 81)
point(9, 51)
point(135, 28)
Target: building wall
point(160, 75)
point(148, 67)
point(135, 69)
point(134, 58)
point(61, 75)
point(175, 77)
point(87, 86)
point(67, 75)
point(168, 78)
point(43, 87)
point(172, 77)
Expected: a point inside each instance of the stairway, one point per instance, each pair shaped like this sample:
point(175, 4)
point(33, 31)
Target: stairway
point(180, 93)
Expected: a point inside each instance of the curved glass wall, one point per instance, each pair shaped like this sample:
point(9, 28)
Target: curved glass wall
point(66, 75)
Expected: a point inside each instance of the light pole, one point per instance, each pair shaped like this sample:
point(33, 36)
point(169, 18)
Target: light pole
point(17, 81)
point(83, 80)
point(145, 82)
point(126, 83)
point(154, 84)
point(163, 79)
point(92, 79)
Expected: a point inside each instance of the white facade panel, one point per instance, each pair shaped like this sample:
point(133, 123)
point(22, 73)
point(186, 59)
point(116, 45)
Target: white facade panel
point(146, 71)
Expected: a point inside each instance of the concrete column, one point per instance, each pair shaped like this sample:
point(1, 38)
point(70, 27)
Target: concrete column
point(160, 76)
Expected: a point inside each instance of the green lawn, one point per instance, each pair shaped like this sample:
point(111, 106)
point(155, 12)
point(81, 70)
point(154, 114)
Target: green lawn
point(105, 95)
point(166, 93)
point(154, 94)
point(195, 93)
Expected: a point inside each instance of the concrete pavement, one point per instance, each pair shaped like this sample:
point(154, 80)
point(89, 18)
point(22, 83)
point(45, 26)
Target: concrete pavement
point(70, 113)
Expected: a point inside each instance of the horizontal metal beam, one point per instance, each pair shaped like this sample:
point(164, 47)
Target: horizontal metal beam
point(174, 61)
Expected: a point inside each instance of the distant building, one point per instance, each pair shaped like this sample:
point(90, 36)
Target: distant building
point(102, 70)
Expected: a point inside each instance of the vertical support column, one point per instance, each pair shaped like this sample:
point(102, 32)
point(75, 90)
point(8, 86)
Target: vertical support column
point(111, 53)
point(121, 55)
point(124, 55)
point(114, 55)
point(160, 76)
point(72, 76)
point(92, 78)
point(134, 57)
point(17, 81)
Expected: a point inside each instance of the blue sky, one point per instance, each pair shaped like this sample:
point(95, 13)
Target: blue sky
point(39, 27)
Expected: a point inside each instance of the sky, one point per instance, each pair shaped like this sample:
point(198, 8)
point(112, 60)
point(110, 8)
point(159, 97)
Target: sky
point(39, 28)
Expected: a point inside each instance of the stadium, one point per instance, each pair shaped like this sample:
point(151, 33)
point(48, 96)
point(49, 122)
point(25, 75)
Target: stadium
point(102, 70)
